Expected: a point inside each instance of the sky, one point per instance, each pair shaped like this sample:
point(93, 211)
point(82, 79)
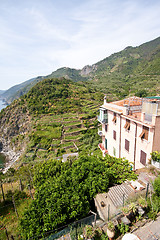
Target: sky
point(39, 36)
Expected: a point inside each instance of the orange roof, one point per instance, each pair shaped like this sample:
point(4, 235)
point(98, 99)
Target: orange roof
point(133, 101)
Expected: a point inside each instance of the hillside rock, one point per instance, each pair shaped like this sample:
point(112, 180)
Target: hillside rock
point(14, 126)
point(87, 69)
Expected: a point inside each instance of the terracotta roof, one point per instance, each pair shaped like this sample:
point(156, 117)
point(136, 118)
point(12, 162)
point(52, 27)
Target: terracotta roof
point(133, 101)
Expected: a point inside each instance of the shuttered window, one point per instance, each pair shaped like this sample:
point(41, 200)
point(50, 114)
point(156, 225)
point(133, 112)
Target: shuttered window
point(144, 133)
point(143, 157)
point(127, 125)
point(114, 135)
point(114, 118)
point(127, 145)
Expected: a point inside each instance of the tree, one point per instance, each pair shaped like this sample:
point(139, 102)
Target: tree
point(65, 191)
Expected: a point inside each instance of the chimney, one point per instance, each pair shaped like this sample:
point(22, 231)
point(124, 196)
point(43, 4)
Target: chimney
point(105, 99)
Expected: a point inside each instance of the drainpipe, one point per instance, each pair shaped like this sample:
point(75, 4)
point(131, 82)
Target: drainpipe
point(135, 146)
point(120, 138)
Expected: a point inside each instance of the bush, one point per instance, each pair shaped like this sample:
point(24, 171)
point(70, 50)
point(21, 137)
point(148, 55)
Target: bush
point(19, 195)
point(156, 186)
point(155, 156)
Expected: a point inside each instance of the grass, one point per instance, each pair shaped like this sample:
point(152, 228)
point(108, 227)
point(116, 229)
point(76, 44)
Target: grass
point(9, 219)
point(72, 123)
point(72, 137)
point(49, 132)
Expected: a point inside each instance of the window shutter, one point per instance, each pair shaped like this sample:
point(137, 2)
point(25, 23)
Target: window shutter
point(143, 158)
point(114, 135)
point(127, 145)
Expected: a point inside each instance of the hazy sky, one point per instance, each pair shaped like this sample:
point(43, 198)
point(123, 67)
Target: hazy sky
point(39, 36)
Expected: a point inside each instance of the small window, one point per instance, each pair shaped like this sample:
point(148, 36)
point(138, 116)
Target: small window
point(127, 145)
point(114, 118)
point(127, 125)
point(114, 135)
point(143, 157)
point(144, 133)
point(114, 151)
point(106, 127)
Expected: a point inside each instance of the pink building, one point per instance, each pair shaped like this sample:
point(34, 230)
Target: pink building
point(131, 129)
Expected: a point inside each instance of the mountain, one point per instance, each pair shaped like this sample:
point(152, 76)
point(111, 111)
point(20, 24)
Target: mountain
point(130, 70)
point(50, 119)
point(2, 92)
point(134, 70)
point(20, 89)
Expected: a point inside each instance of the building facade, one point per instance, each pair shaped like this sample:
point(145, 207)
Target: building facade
point(131, 129)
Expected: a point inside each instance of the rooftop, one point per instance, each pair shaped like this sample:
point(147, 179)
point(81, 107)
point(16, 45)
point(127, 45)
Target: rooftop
point(132, 101)
point(133, 107)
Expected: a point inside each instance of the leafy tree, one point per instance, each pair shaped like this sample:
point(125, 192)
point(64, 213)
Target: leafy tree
point(65, 191)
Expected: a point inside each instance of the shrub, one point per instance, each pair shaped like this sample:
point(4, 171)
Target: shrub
point(156, 186)
point(155, 156)
point(19, 195)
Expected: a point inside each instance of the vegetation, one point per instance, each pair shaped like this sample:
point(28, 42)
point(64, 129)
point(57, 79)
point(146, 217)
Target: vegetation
point(155, 156)
point(65, 191)
point(134, 70)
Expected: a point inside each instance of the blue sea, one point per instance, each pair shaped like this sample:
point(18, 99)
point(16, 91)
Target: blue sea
point(2, 104)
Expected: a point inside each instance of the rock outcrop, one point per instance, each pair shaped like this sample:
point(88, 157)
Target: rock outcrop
point(14, 126)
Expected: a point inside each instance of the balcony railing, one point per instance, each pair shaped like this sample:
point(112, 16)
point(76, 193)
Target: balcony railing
point(103, 120)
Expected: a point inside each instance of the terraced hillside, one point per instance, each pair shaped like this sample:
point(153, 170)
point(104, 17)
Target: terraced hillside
point(61, 118)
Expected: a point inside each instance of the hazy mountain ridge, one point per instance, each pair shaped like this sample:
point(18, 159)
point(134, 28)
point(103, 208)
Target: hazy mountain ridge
point(121, 74)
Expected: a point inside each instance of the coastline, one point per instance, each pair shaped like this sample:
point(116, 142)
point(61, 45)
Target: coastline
point(11, 158)
point(10, 154)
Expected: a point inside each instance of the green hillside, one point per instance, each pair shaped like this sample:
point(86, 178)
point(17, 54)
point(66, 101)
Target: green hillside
point(129, 71)
point(19, 90)
point(56, 116)
point(134, 70)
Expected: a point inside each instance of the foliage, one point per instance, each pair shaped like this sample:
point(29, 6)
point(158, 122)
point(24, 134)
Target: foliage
point(142, 201)
point(125, 210)
point(57, 96)
point(155, 156)
point(141, 93)
point(133, 207)
point(64, 191)
point(17, 195)
point(119, 75)
point(123, 228)
point(156, 186)
point(111, 226)
point(88, 231)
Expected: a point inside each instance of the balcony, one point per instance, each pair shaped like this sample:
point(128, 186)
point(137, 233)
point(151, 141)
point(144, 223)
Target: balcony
point(103, 120)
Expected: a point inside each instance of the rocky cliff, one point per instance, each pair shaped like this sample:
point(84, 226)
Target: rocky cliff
point(14, 128)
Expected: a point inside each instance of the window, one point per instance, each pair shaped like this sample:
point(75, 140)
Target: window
point(144, 133)
point(114, 151)
point(114, 135)
point(114, 118)
point(127, 145)
point(127, 125)
point(106, 127)
point(143, 157)
point(105, 143)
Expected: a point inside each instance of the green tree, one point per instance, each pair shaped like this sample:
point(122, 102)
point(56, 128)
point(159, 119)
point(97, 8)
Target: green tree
point(65, 191)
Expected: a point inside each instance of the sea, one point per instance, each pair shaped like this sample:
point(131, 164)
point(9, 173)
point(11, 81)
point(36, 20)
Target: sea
point(2, 104)
point(2, 157)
